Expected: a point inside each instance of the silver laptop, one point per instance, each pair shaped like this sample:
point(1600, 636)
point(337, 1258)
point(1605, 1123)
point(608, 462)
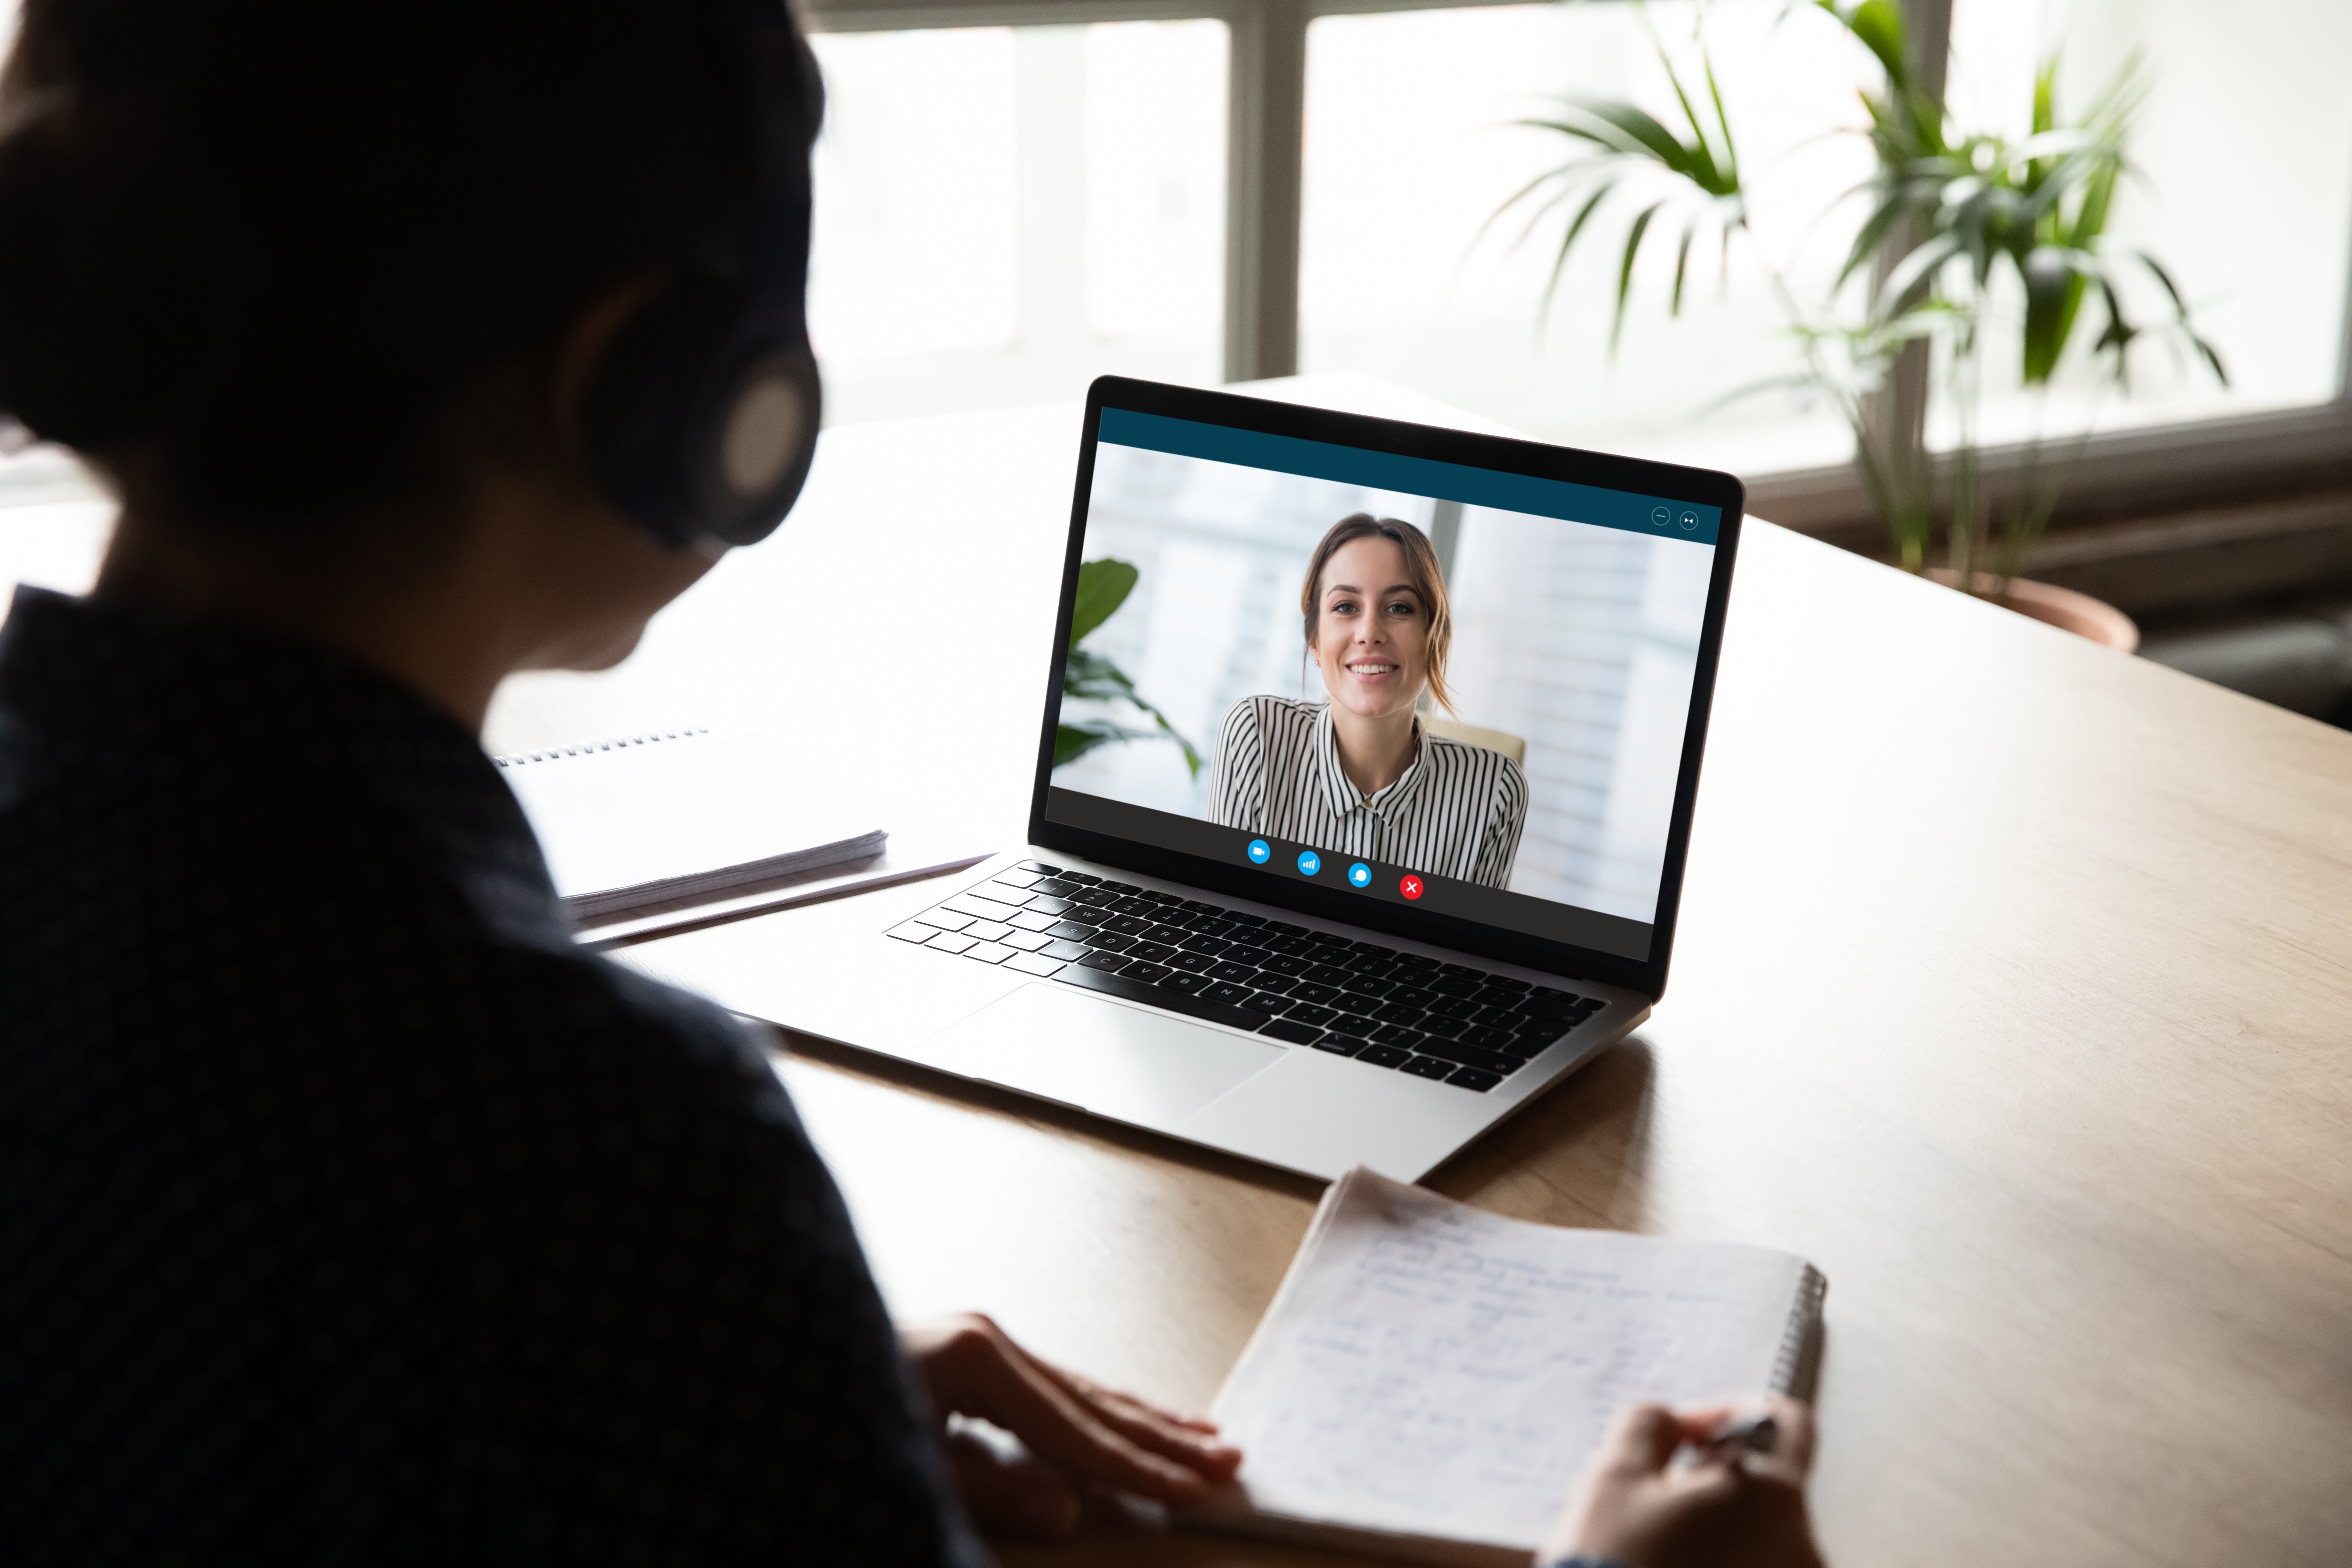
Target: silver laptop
point(1364, 782)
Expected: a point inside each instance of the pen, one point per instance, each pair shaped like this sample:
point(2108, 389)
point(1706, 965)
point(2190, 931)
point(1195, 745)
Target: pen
point(1749, 1434)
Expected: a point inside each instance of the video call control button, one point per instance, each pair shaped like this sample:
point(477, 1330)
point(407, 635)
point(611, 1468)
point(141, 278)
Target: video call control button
point(1659, 517)
point(1690, 522)
point(1409, 887)
point(1309, 862)
point(1260, 851)
point(1360, 875)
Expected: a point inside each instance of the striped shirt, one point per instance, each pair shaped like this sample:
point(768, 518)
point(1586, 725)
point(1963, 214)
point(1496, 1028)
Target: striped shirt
point(1456, 811)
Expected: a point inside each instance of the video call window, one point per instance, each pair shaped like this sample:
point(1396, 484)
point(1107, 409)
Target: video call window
point(1568, 665)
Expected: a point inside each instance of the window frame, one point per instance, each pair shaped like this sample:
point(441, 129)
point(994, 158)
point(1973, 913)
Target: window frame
point(2161, 467)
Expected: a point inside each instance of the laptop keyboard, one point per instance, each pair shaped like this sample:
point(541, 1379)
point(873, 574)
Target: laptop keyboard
point(1376, 1004)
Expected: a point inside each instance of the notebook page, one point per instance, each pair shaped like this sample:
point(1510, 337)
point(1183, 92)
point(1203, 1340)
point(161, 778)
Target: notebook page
point(1430, 1370)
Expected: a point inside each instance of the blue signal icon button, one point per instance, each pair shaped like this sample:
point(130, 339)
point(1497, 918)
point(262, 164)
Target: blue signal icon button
point(1260, 851)
point(1360, 874)
point(1309, 862)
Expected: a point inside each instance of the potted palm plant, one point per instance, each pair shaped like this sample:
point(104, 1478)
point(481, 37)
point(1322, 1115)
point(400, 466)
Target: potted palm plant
point(1956, 220)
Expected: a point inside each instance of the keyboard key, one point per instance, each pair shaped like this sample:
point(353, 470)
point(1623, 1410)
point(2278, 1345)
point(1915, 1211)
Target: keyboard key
point(1190, 963)
point(1395, 1011)
point(1421, 962)
point(1226, 991)
point(1429, 1067)
point(1151, 952)
point(1165, 901)
point(1333, 954)
point(1304, 1013)
point(1035, 963)
point(1339, 1045)
point(1451, 1006)
point(1067, 951)
point(1240, 918)
point(1084, 878)
point(1487, 1037)
point(1188, 984)
point(986, 931)
point(1025, 940)
point(1030, 919)
point(1590, 1005)
point(989, 952)
point(1048, 906)
point(1054, 888)
point(1108, 962)
point(1135, 904)
point(1020, 879)
point(1109, 941)
point(1398, 1035)
point(1228, 969)
point(1412, 996)
point(1372, 985)
point(1246, 952)
point(1273, 1004)
point(1437, 1023)
point(1128, 925)
point(1266, 980)
point(1283, 963)
point(1460, 972)
point(1208, 946)
point(1470, 1055)
point(1457, 987)
point(1172, 935)
point(1307, 991)
point(947, 942)
point(1147, 972)
point(1124, 889)
point(1209, 925)
point(981, 909)
point(913, 931)
point(1329, 975)
point(1544, 999)
point(1382, 1055)
point(1489, 995)
point(1358, 1006)
point(1300, 943)
point(1195, 907)
point(945, 920)
point(1503, 1019)
point(1504, 982)
point(1155, 996)
point(1093, 898)
point(1294, 1033)
point(1280, 928)
point(1476, 1078)
point(1041, 867)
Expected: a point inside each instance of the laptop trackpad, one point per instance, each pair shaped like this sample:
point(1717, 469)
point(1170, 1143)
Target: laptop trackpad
point(1121, 1062)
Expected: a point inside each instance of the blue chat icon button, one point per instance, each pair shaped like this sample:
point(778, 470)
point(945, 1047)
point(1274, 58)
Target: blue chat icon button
point(1309, 862)
point(1260, 851)
point(1360, 874)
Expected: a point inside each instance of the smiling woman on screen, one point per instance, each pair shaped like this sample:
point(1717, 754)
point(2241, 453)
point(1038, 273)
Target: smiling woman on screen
point(1361, 775)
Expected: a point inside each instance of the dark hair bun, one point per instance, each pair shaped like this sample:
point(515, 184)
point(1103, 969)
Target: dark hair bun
point(118, 273)
point(279, 263)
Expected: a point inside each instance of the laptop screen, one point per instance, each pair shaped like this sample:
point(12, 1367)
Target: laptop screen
point(1422, 683)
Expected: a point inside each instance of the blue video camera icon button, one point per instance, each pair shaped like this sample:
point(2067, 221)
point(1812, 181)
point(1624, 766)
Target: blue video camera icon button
point(1260, 851)
point(1360, 874)
point(1309, 862)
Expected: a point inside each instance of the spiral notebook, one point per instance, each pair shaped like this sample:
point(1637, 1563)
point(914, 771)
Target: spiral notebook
point(1430, 1379)
point(652, 832)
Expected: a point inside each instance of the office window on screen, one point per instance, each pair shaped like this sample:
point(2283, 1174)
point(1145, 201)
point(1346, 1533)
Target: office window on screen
point(1005, 213)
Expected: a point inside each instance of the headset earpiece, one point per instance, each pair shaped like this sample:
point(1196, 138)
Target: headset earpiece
point(703, 419)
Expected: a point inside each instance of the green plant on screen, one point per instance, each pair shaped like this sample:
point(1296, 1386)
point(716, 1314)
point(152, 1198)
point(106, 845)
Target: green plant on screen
point(1103, 587)
point(1956, 220)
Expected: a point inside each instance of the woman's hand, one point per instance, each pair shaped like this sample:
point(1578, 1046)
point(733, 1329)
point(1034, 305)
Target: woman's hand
point(1078, 1435)
point(1740, 1510)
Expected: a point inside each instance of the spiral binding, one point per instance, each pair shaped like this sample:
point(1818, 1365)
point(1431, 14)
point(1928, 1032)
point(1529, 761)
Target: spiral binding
point(1798, 1337)
point(553, 753)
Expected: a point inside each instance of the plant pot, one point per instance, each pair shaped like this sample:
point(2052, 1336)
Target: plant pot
point(2053, 606)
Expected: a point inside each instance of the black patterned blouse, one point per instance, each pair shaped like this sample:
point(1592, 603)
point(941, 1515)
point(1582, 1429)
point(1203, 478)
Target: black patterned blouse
point(348, 1214)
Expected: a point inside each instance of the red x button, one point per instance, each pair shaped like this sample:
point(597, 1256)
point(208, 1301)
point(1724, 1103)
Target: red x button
point(1409, 887)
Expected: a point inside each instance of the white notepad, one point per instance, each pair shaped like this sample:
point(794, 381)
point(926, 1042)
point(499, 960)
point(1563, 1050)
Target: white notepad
point(1430, 1379)
point(679, 815)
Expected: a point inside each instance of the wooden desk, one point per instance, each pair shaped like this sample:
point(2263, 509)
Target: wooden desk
point(2015, 988)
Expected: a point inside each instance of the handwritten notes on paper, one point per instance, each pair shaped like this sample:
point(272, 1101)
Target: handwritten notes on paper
point(1430, 1370)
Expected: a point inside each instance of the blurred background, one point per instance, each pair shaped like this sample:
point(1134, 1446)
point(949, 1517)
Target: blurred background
point(1016, 196)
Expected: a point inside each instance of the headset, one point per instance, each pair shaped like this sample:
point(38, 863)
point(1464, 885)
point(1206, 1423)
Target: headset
point(702, 422)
